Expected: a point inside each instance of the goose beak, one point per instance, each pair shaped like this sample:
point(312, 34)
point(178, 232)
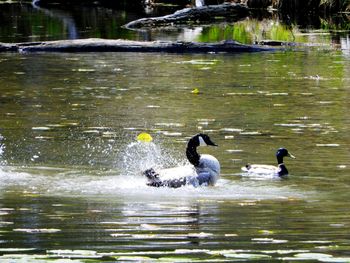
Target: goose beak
point(291, 156)
point(211, 143)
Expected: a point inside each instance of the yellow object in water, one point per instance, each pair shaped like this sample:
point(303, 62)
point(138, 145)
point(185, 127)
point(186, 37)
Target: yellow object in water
point(144, 137)
point(195, 91)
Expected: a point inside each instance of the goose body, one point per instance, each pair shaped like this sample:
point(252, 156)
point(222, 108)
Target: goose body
point(204, 169)
point(270, 170)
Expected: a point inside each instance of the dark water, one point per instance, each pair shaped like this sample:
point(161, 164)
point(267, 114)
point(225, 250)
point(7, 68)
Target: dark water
point(70, 183)
point(24, 22)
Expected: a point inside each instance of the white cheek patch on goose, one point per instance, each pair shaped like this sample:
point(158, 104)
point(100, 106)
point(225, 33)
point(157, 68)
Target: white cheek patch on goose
point(201, 141)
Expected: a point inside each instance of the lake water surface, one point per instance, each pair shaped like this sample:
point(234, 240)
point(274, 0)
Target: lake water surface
point(70, 175)
point(70, 181)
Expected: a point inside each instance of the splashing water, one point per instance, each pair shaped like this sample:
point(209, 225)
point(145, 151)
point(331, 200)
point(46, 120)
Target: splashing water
point(140, 156)
point(2, 148)
point(127, 181)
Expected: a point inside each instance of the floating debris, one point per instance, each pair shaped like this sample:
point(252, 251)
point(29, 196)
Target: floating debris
point(268, 241)
point(91, 131)
point(327, 145)
point(41, 128)
point(120, 235)
point(6, 209)
point(66, 253)
point(199, 235)
point(83, 70)
point(198, 62)
point(144, 137)
point(195, 91)
point(231, 130)
point(342, 166)
point(277, 94)
point(231, 235)
point(153, 106)
point(37, 230)
point(170, 124)
point(44, 137)
point(234, 150)
point(109, 134)
point(253, 133)
point(246, 255)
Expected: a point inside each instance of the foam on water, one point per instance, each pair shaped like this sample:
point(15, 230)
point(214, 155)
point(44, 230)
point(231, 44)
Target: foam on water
point(2, 148)
point(128, 182)
point(78, 183)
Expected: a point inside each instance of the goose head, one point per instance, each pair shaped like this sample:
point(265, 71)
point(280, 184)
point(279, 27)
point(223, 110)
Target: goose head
point(281, 153)
point(197, 140)
point(202, 140)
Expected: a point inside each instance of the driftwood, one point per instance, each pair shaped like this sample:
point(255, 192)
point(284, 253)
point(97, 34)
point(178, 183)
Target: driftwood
point(194, 15)
point(4, 47)
point(108, 45)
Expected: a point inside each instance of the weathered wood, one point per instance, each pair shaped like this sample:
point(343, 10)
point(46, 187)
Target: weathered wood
point(4, 47)
point(275, 43)
point(278, 43)
point(194, 15)
point(108, 45)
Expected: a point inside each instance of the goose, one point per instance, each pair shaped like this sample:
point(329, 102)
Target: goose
point(262, 169)
point(206, 167)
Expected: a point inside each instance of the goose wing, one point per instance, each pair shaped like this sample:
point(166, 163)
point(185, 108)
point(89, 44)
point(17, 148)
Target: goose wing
point(177, 172)
point(260, 169)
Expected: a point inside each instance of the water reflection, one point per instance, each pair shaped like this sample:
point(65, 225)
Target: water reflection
point(345, 45)
point(35, 23)
point(67, 21)
point(32, 23)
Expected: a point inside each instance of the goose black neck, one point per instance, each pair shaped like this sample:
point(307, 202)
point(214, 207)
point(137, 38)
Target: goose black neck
point(279, 159)
point(191, 152)
point(282, 170)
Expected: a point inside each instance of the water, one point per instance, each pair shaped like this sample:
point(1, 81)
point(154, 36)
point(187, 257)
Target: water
point(24, 22)
point(70, 166)
point(70, 176)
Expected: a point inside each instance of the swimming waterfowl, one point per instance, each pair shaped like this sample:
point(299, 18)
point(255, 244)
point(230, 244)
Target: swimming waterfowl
point(206, 167)
point(261, 169)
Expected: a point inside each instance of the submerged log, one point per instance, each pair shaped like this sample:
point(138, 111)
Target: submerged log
point(108, 45)
point(194, 15)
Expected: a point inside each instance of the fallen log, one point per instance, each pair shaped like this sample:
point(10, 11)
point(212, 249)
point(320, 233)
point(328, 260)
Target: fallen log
point(4, 47)
point(210, 13)
point(119, 45)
